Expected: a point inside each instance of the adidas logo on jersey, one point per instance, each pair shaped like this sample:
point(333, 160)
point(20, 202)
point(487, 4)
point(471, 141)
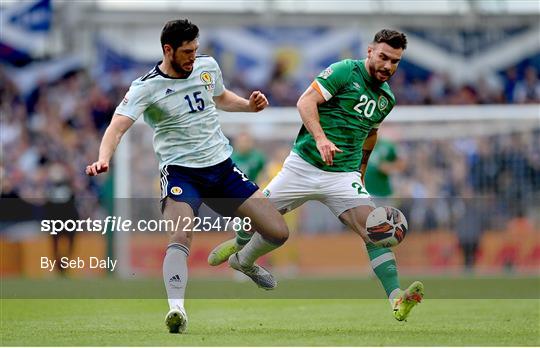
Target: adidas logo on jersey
point(168, 91)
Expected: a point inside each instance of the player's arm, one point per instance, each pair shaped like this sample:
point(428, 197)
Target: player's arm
point(307, 106)
point(369, 144)
point(230, 101)
point(114, 132)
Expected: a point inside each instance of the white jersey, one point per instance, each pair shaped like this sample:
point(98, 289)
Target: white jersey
point(182, 113)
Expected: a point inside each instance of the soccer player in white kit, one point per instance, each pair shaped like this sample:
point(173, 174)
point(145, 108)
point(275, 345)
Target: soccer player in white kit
point(178, 99)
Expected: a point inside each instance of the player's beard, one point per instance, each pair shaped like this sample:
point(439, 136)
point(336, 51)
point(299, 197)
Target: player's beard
point(373, 72)
point(178, 68)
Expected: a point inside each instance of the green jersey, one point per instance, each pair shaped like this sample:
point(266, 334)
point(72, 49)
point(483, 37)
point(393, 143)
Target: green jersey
point(355, 103)
point(377, 182)
point(251, 163)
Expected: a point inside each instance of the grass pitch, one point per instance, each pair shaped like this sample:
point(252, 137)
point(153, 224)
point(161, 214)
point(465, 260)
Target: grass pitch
point(269, 322)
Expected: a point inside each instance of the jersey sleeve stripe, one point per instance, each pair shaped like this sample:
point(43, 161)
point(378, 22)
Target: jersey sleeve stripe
point(322, 91)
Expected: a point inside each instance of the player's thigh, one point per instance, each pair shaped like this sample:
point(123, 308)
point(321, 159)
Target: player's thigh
point(343, 191)
point(355, 218)
point(296, 183)
point(178, 185)
point(230, 190)
point(182, 212)
point(345, 195)
point(287, 191)
point(265, 219)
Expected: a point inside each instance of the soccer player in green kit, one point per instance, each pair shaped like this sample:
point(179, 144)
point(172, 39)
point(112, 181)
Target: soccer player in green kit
point(249, 159)
point(341, 112)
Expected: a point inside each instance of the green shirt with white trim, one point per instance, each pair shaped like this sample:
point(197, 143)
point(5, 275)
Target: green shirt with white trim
point(355, 103)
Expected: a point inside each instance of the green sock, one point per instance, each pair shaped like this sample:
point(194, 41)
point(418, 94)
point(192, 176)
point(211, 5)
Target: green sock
point(242, 237)
point(383, 263)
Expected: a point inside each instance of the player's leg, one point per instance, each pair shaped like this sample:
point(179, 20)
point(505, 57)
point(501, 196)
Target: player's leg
point(232, 194)
point(382, 260)
point(223, 251)
point(175, 272)
point(383, 263)
point(180, 200)
point(289, 189)
point(272, 233)
point(351, 203)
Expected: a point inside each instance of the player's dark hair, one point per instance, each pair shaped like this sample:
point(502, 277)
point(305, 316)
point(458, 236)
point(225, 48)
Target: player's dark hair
point(391, 37)
point(178, 31)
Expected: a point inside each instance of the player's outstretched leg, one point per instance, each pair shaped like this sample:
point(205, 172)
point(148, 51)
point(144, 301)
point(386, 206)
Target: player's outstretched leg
point(223, 251)
point(383, 263)
point(272, 233)
point(258, 274)
point(409, 298)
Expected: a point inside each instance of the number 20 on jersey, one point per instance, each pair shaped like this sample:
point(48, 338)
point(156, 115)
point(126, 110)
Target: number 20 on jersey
point(366, 107)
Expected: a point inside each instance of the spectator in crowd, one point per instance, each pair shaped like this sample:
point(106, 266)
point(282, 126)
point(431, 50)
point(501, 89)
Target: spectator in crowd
point(281, 90)
point(528, 90)
point(384, 162)
point(510, 82)
point(471, 223)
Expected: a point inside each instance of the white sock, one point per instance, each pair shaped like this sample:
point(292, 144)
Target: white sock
point(254, 249)
point(175, 274)
point(393, 295)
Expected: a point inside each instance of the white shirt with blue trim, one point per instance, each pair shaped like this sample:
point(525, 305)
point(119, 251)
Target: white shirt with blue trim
point(182, 113)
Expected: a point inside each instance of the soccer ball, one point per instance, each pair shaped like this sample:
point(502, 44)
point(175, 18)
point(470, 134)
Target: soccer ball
point(386, 226)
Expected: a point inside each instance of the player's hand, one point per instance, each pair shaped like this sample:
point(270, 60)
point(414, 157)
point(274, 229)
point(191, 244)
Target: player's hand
point(328, 150)
point(97, 167)
point(257, 101)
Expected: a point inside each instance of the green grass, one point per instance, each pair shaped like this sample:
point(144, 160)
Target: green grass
point(439, 287)
point(269, 323)
point(266, 321)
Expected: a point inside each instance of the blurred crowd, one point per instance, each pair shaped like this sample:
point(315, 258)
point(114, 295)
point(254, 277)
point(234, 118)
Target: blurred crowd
point(438, 89)
point(498, 174)
point(48, 138)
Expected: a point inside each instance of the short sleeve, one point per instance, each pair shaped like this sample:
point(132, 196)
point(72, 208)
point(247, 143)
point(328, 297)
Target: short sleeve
point(333, 78)
point(219, 87)
point(135, 101)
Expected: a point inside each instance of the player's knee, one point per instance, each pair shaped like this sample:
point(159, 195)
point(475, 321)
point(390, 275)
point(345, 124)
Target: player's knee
point(364, 235)
point(182, 237)
point(362, 232)
point(366, 239)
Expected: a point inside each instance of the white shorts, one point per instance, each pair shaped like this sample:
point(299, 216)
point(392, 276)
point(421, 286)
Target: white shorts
point(299, 182)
